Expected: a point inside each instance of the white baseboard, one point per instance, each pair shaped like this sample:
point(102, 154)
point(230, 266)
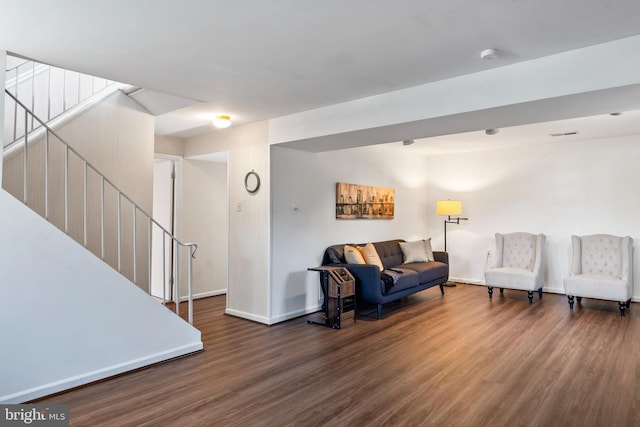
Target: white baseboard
point(294, 314)
point(548, 289)
point(86, 378)
point(205, 295)
point(248, 316)
point(466, 280)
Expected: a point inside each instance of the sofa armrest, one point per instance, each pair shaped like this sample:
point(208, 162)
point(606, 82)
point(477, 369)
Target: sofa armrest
point(441, 256)
point(367, 280)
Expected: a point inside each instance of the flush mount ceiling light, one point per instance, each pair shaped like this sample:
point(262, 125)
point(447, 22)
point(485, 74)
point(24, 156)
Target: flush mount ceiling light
point(407, 142)
point(489, 54)
point(491, 131)
point(615, 114)
point(222, 121)
point(575, 132)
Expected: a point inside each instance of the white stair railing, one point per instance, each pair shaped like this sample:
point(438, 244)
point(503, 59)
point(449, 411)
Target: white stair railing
point(49, 92)
point(42, 177)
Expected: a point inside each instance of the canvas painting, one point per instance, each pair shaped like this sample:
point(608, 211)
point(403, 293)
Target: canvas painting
point(354, 201)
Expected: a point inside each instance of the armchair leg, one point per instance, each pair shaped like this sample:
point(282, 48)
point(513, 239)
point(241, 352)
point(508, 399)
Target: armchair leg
point(540, 293)
point(579, 299)
point(379, 311)
point(490, 292)
point(441, 289)
point(530, 294)
point(623, 306)
point(501, 291)
point(628, 303)
point(570, 301)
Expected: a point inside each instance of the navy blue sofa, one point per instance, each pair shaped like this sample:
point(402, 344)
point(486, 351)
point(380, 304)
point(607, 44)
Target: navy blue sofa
point(414, 277)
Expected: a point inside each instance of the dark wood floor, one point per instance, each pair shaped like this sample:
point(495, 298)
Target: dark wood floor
point(452, 360)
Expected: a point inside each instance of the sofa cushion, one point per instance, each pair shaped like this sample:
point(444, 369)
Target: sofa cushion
point(371, 255)
point(418, 251)
point(389, 252)
point(428, 271)
point(352, 255)
point(334, 255)
point(403, 278)
point(413, 251)
point(596, 286)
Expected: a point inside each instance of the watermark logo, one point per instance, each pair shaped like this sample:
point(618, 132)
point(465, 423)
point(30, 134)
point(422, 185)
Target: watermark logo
point(34, 415)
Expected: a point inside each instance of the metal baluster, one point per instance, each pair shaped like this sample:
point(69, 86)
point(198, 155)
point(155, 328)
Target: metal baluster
point(102, 218)
point(33, 91)
point(15, 109)
point(164, 268)
point(85, 203)
point(135, 264)
point(64, 90)
point(119, 227)
point(46, 174)
point(177, 278)
point(49, 96)
point(26, 159)
point(149, 242)
point(66, 189)
point(190, 285)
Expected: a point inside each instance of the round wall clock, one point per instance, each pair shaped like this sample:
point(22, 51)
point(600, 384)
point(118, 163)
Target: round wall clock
point(252, 182)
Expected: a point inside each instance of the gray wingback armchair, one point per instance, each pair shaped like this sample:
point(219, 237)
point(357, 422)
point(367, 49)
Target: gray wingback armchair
point(602, 268)
point(518, 263)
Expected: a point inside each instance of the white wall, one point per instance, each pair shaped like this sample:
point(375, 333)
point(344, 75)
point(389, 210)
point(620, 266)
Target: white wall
point(559, 189)
point(205, 221)
point(249, 216)
point(169, 145)
point(69, 320)
point(308, 182)
point(3, 66)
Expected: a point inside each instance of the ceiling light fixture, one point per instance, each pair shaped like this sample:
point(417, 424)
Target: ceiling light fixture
point(615, 114)
point(408, 142)
point(489, 54)
point(491, 131)
point(575, 132)
point(222, 121)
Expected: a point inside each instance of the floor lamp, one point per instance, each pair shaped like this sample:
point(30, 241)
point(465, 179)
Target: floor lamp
point(448, 208)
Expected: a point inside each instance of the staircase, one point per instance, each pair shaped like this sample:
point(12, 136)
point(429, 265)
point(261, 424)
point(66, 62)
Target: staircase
point(59, 183)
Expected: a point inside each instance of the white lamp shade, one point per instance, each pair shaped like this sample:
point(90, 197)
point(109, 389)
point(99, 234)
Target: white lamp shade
point(222, 122)
point(449, 207)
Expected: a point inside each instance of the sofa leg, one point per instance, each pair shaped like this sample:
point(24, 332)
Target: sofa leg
point(379, 311)
point(441, 289)
point(628, 303)
point(540, 293)
point(623, 306)
point(490, 292)
point(530, 294)
point(579, 299)
point(570, 297)
point(501, 291)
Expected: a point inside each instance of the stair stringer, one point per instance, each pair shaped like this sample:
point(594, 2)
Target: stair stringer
point(68, 318)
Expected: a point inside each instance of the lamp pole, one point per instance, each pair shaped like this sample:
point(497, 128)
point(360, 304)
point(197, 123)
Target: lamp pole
point(450, 221)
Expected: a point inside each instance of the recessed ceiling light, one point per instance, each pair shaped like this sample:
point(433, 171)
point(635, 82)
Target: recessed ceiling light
point(491, 131)
point(489, 54)
point(222, 121)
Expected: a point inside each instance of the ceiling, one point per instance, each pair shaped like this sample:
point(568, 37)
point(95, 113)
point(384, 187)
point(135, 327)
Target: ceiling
point(256, 59)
